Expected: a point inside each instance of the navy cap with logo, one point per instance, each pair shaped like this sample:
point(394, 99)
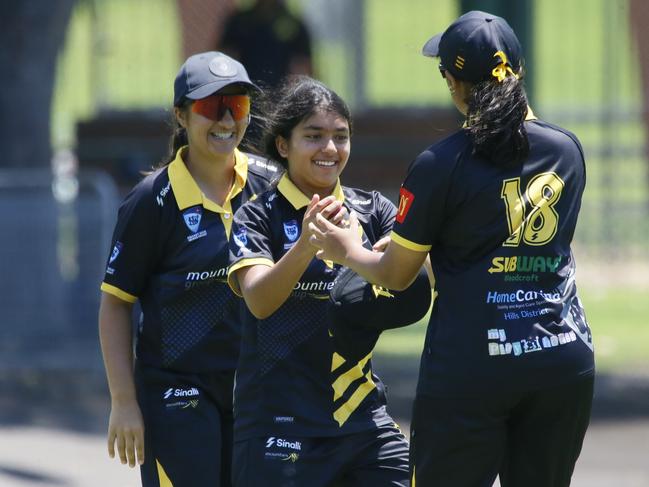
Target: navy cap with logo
point(360, 311)
point(206, 73)
point(469, 47)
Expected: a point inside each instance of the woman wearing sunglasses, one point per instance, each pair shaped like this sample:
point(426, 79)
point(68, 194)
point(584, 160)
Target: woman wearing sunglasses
point(171, 407)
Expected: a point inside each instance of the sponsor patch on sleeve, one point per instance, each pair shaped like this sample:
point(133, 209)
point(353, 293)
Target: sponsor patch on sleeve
point(405, 201)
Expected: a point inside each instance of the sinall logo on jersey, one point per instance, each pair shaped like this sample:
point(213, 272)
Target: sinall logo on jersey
point(276, 449)
point(181, 397)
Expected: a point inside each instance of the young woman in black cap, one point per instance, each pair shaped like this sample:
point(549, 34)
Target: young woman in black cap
point(171, 410)
point(306, 412)
point(506, 378)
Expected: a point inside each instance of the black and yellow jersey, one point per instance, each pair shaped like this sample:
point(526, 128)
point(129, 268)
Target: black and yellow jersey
point(507, 316)
point(170, 252)
point(290, 380)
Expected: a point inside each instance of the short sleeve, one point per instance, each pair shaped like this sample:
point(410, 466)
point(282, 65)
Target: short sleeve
point(422, 202)
point(386, 213)
point(134, 247)
point(250, 241)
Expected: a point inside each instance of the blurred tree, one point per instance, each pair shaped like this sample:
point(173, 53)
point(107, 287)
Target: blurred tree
point(31, 33)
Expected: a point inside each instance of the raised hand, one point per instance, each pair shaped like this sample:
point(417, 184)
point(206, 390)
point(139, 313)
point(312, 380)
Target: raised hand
point(329, 208)
point(333, 242)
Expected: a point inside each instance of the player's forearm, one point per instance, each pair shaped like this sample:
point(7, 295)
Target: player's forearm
point(368, 264)
point(265, 289)
point(117, 347)
point(380, 268)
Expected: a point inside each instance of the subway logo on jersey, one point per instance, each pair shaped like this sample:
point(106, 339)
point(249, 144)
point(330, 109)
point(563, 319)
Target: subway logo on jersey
point(405, 202)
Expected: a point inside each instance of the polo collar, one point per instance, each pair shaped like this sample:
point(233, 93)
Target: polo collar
point(297, 198)
point(188, 193)
point(530, 115)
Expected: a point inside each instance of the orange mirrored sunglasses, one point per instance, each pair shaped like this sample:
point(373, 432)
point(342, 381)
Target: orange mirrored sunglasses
point(214, 106)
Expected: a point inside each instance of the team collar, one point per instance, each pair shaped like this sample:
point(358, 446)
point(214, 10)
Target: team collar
point(188, 193)
point(530, 115)
point(297, 198)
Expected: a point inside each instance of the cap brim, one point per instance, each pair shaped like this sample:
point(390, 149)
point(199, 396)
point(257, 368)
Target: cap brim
point(431, 48)
point(211, 88)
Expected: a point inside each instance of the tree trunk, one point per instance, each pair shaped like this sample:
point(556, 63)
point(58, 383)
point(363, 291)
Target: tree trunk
point(31, 34)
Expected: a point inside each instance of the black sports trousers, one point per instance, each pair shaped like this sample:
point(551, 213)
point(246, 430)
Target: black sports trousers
point(530, 439)
point(188, 428)
point(374, 458)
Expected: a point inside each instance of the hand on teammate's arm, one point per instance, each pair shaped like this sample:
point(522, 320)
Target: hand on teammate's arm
point(266, 288)
point(125, 426)
point(395, 268)
point(381, 244)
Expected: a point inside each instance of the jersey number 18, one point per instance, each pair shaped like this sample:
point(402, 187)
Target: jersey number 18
point(533, 219)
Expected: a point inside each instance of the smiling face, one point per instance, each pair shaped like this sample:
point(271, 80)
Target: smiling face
point(317, 152)
point(213, 138)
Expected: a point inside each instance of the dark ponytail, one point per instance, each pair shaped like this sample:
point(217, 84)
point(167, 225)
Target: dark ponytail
point(178, 137)
point(496, 114)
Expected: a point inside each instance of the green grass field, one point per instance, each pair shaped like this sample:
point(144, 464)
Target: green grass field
point(618, 320)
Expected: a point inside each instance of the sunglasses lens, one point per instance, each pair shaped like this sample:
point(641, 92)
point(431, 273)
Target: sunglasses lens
point(442, 70)
point(214, 106)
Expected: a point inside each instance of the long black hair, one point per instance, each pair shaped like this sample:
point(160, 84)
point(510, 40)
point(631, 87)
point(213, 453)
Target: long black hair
point(178, 136)
point(497, 110)
point(297, 98)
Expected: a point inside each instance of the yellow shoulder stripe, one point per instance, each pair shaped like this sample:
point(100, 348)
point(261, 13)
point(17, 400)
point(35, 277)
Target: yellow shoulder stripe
point(234, 285)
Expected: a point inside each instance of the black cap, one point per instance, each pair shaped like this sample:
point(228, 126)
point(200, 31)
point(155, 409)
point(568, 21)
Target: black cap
point(206, 73)
point(468, 47)
point(359, 311)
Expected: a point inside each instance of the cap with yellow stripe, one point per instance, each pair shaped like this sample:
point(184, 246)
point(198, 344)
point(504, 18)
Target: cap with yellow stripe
point(478, 46)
